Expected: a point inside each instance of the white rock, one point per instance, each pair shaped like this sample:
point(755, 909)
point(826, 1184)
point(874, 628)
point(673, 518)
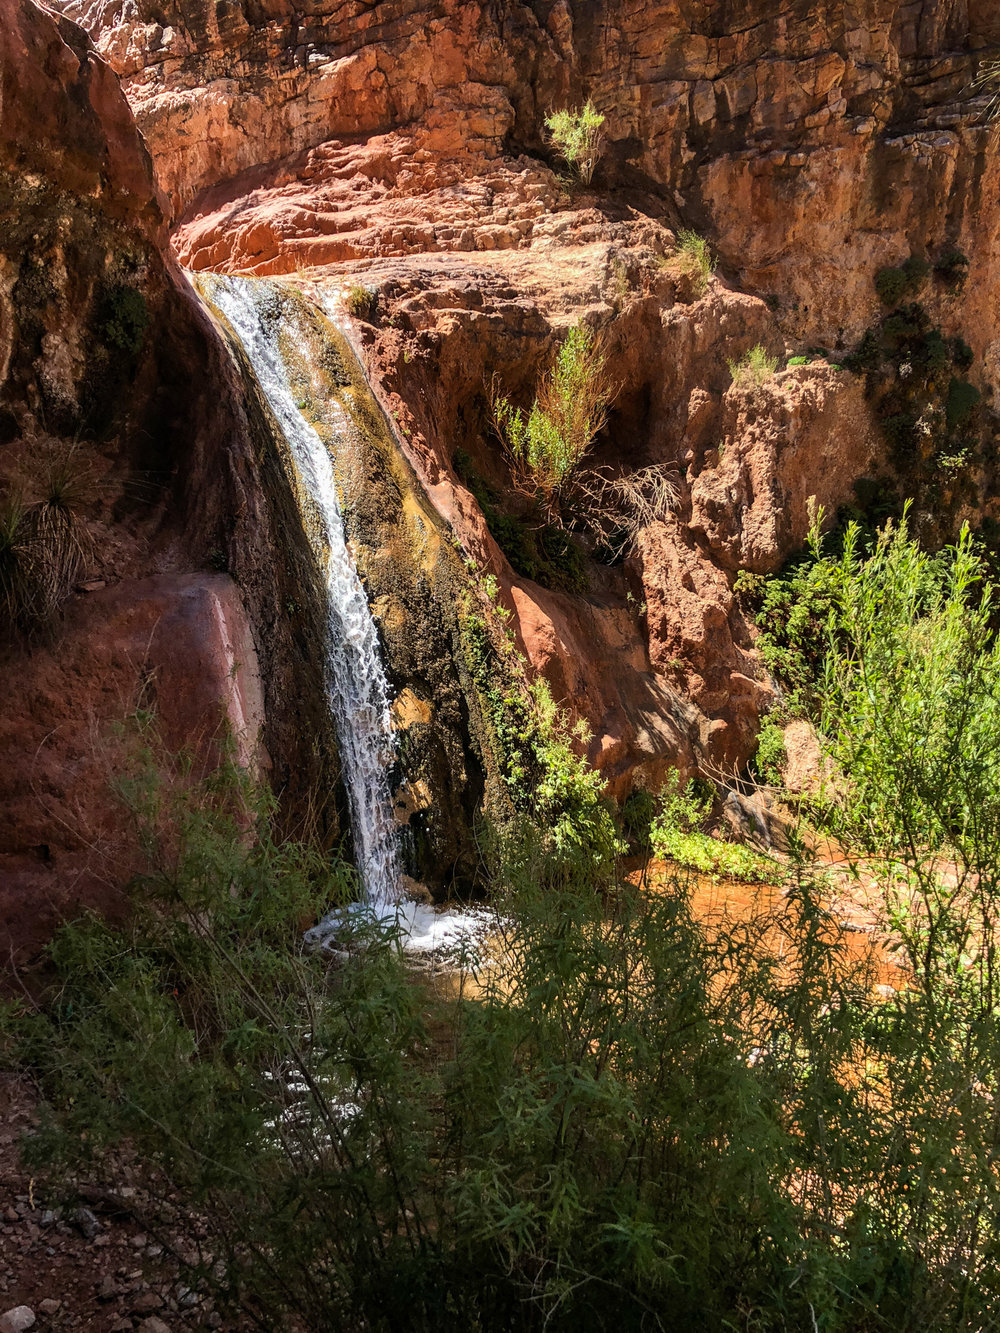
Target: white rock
point(17, 1320)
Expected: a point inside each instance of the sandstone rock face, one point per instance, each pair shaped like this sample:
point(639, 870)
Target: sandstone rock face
point(813, 142)
point(177, 644)
point(403, 146)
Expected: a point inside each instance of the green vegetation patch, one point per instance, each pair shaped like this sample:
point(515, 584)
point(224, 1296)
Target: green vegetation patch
point(536, 550)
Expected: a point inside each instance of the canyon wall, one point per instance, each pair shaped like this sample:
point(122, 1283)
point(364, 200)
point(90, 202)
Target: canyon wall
point(402, 146)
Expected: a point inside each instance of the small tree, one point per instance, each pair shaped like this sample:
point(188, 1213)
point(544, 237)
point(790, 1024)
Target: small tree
point(577, 135)
point(547, 444)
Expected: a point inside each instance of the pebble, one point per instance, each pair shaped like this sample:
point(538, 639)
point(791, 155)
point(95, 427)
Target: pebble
point(49, 1306)
point(86, 1222)
point(17, 1320)
point(153, 1325)
point(146, 1300)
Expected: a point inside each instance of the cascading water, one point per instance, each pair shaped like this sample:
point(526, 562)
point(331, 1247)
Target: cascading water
point(355, 679)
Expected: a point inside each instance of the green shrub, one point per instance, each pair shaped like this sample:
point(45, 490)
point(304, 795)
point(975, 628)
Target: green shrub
point(547, 554)
point(619, 1116)
point(677, 834)
point(124, 319)
point(952, 267)
point(639, 809)
point(771, 756)
point(962, 354)
point(577, 137)
point(547, 444)
point(895, 284)
point(753, 368)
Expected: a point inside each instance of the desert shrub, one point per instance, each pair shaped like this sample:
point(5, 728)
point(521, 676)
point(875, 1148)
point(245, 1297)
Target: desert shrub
point(361, 301)
point(695, 259)
point(753, 368)
point(952, 267)
point(578, 138)
point(547, 444)
point(895, 284)
point(962, 354)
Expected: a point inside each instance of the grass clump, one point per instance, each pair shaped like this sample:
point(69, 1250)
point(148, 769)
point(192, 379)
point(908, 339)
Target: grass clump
point(578, 137)
point(694, 257)
point(753, 368)
point(43, 540)
point(361, 301)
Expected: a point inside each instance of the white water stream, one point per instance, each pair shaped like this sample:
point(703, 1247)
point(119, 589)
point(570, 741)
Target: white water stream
point(355, 680)
point(356, 684)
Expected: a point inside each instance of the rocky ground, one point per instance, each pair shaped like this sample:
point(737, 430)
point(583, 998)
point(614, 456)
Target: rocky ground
point(89, 1262)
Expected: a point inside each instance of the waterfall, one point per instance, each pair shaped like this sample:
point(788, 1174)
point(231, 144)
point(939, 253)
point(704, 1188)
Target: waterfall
point(355, 679)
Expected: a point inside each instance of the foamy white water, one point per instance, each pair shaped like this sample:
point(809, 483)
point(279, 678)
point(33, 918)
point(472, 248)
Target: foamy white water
point(355, 678)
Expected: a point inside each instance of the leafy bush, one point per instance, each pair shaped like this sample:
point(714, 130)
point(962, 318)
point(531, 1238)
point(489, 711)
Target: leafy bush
point(619, 1117)
point(677, 833)
point(771, 756)
point(546, 554)
point(753, 368)
point(639, 809)
point(952, 267)
point(962, 401)
point(547, 444)
point(578, 138)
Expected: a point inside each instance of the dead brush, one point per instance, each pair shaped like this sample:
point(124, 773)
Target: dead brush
point(615, 507)
point(44, 544)
point(987, 82)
